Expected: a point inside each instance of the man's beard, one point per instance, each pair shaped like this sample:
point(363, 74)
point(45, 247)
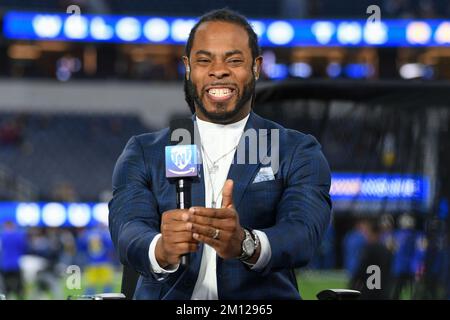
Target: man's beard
point(192, 99)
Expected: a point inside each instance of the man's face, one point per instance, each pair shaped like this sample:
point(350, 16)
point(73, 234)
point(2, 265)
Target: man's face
point(221, 80)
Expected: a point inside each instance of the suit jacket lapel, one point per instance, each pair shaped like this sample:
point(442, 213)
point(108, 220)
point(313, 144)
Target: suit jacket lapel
point(243, 174)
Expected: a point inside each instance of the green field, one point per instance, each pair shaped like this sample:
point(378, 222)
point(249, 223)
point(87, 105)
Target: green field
point(312, 282)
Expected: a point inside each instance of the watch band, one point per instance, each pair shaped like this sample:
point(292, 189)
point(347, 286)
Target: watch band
point(257, 244)
point(252, 234)
point(256, 238)
point(244, 255)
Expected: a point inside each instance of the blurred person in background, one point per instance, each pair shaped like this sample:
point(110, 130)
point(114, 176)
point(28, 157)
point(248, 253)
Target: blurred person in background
point(353, 243)
point(374, 253)
point(68, 250)
point(387, 224)
point(404, 249)
point(418, 265)
point(96, 254)
point(13, 245)
point(46, 248)
point(435, 261)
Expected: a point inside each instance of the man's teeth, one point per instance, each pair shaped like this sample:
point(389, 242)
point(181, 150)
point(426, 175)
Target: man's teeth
point(219, 92)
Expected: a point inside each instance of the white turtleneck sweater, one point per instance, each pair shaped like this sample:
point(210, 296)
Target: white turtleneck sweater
point(219, 143)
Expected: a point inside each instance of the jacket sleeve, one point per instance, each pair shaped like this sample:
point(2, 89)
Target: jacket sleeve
point(133, 216)
point(304, 211)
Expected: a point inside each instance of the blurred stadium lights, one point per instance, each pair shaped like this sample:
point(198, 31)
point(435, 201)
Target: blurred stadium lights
point(442, 35)
point(181, 27)
point(359, 70)
point(376, 33)
point(65, 66)
point(170, 30)
point(271, 69)
point(334, 70)
point(418, 33)
point(376, 186)
point(323, 30)
point(416, 70)
point(54, 214)
point(156, 30)
point(280, 33)
point(277, 71)
point(128, 29)
point(300, 70)
point(76, 27)
point(24, 52)
point(345, 187)
point(349, 33)
point(100, 30)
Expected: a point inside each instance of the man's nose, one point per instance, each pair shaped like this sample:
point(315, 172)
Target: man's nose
point(219, 71)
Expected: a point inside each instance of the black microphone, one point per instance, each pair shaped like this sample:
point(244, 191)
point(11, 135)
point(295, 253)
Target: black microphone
point(182, 164)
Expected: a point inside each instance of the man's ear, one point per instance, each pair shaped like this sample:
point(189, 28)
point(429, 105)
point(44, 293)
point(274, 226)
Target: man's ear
point(187, 67)
point(257, 65)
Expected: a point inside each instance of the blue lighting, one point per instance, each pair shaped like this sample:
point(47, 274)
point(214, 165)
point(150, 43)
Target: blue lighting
point(301, 70)
point(271, 33)
point(372, 193)
point(393, 191)
point(334, 70)
point(54, 214)
point(368, 187)
point(359, 70)
point(277, 71)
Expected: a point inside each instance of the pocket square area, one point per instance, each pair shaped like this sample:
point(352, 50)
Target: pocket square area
point(264, 174)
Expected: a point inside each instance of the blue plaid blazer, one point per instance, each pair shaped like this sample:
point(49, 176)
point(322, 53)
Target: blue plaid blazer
point(293, 210)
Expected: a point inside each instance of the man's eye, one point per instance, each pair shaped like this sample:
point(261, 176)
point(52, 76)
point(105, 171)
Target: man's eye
point(235, 61)
point(203, 60)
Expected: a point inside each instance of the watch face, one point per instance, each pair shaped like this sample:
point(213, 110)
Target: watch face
point(249, 246)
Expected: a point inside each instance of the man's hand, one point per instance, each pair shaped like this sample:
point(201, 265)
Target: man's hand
point(176, 237)
point(219, 228)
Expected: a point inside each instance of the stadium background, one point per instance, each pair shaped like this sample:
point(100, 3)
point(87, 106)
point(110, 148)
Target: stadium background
point(375, 95)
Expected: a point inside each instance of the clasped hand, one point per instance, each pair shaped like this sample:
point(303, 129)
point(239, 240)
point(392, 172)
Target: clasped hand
point(182, 230)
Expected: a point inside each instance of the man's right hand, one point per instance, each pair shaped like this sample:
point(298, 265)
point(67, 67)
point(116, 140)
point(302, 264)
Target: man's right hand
point(176, 237)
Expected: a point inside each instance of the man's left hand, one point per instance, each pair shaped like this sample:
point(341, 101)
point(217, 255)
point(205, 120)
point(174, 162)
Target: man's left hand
point(219, 228)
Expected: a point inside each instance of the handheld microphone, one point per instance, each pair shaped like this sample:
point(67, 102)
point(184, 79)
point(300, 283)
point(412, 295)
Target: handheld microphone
point(182, 164)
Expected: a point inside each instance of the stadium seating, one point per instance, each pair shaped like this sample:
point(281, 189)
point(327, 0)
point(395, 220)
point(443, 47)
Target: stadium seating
point(78, 151)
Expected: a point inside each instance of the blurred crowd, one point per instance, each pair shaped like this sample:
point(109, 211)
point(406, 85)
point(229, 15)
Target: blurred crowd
point(34, 262)
point(413, 260)
point(58, 154)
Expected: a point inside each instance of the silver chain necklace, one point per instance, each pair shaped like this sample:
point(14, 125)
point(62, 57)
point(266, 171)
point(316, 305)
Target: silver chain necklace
point(212, 171)
point(214, 167)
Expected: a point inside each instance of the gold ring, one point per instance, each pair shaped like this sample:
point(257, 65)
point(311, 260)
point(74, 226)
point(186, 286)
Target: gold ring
point(216, 234)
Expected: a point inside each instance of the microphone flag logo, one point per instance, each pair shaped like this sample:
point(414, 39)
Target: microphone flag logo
point(181, 161)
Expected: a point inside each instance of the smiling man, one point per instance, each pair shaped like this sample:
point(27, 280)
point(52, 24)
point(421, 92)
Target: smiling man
point(251, 224)
point(225, 64)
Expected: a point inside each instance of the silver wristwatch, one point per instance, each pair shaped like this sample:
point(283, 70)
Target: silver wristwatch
point(249, 245)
